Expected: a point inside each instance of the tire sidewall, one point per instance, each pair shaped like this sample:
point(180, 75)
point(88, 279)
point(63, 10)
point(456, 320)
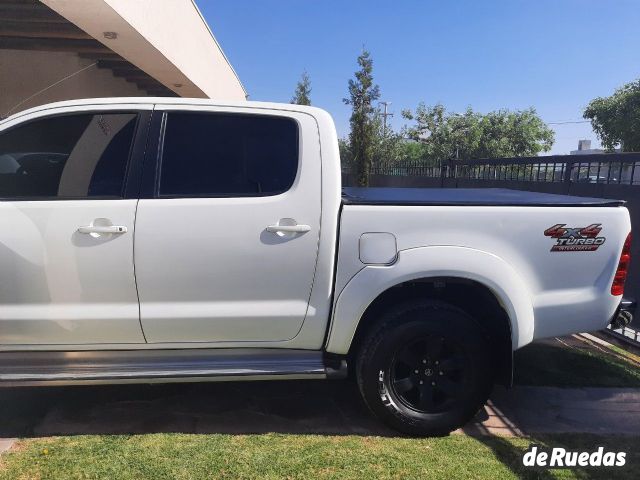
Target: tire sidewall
point(409, 322)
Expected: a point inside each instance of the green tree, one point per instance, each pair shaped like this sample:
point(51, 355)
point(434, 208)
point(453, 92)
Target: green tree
point(501, 133)
point(391, 151)
point(346, 159)
point(616, 119)
point(302, 95)
point(362, 93)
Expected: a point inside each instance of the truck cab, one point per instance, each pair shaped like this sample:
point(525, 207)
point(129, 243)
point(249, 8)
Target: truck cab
point(203, 197)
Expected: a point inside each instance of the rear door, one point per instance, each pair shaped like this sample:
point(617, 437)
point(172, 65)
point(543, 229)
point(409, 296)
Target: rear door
point(66, 228)
point(226, 243)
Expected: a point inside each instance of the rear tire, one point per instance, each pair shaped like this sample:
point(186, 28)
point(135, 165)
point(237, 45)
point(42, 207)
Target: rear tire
point(425, 368)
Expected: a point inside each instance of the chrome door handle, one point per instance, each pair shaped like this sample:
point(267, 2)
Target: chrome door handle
point(288, 228)
point(102, 229)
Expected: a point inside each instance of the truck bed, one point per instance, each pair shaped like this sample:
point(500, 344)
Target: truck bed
point(467, 196)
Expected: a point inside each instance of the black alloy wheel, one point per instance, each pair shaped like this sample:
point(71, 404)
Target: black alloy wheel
point(425, 368)
point(428, 374)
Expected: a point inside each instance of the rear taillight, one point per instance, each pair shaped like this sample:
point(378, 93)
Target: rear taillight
point(617, 288)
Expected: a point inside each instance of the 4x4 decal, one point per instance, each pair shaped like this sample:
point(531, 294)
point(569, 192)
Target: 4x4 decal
point(575, 239)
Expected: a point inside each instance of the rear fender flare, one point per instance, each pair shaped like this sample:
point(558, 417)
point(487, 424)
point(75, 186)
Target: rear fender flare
point(431, 262)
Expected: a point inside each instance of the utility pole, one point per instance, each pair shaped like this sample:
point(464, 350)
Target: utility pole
point(384, 116)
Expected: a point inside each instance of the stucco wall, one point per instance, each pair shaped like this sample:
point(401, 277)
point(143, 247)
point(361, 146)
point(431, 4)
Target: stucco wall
point(197, 52)
point(24, 73)
point(169, 40)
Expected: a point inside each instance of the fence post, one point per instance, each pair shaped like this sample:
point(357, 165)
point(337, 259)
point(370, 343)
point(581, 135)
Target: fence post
point(445, 168)
point(568, 170)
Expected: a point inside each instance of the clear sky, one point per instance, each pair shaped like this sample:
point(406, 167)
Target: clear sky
point(554, 55)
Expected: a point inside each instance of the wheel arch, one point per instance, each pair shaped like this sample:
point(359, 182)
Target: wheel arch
point(423, 269)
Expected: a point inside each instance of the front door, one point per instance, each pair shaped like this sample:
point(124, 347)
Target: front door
point(66, 231)
point(226, 249)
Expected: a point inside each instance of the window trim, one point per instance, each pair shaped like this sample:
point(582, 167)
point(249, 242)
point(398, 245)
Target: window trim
point(160, 152)
point(139, 134)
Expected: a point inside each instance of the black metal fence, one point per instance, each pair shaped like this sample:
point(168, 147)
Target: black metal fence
point(407, 168)
point(605, 169)
point(603, 175)
point(601, 169)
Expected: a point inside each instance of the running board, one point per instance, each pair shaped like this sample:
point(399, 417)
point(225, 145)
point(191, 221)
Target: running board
point(158, 366)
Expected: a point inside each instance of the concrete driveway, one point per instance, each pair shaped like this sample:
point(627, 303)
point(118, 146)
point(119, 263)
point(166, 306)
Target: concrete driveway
point(306, 407)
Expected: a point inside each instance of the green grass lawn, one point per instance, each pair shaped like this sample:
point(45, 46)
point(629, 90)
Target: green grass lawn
point(190, 456)
point(181, 456)
point(553, 364)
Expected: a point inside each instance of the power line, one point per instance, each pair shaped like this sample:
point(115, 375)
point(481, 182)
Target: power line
point(50, 86)
point(568, 122)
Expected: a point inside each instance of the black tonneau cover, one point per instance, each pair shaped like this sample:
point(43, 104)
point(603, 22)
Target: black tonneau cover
point(467, 196)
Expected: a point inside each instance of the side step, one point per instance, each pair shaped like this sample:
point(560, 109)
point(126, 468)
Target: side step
point(158, 366)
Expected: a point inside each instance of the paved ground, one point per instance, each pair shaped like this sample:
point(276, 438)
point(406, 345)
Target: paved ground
point(5, 444)
point(528, 410)
point(331, 407)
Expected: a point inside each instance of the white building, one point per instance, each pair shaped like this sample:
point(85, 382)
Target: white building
point(584, 148)
point(54, 50)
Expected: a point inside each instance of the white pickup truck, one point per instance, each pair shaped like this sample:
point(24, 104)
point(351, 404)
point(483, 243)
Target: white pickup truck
point(157, 240)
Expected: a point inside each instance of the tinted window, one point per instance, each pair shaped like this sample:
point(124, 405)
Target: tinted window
point(71, 156)
point(228, 155)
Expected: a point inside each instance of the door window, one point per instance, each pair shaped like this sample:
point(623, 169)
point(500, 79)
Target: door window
point(223, 155)
point(69, 156)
